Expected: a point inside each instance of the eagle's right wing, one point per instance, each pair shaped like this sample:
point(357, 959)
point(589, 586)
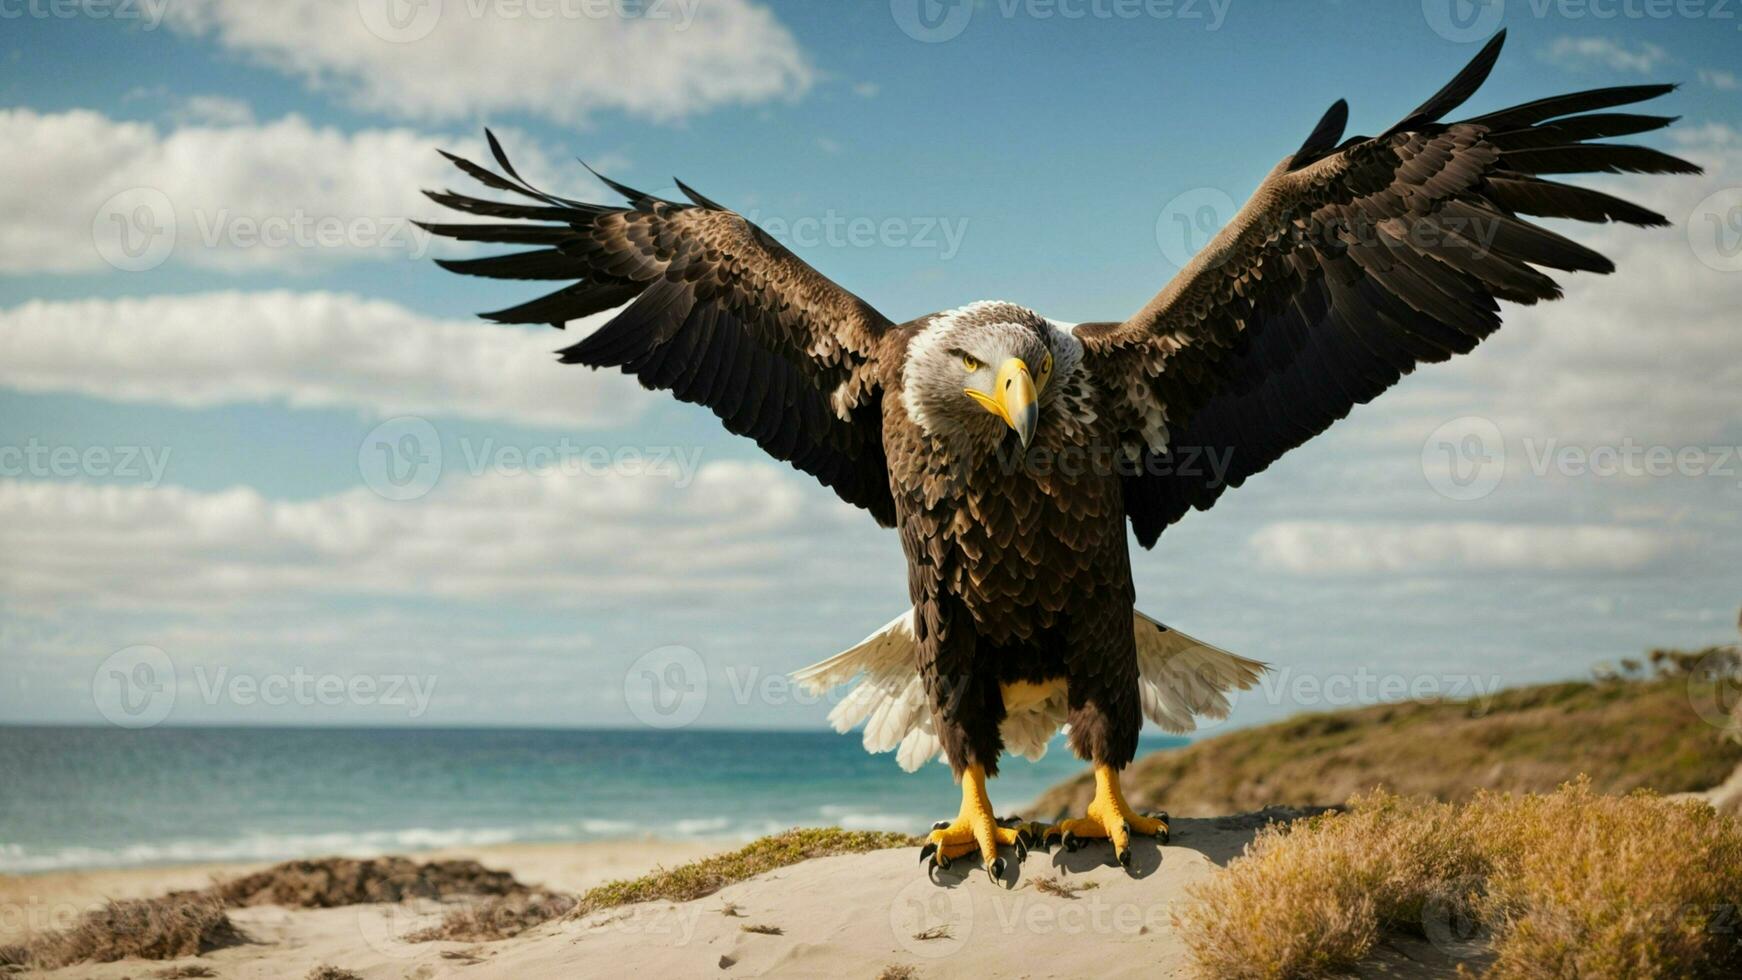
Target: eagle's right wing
point(718, 313)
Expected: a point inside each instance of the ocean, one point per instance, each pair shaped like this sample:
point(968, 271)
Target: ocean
point(107, 797)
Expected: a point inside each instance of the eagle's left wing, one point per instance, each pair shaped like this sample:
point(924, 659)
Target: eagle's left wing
point(718, 313)
point(1350, 265)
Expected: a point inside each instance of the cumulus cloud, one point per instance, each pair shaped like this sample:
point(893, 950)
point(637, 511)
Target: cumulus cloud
point(1645, 354)
point(662, 59)
point(94, 193)
point(544, 536)
point(1332, 547)
point(306, 350)
point(1588, 52)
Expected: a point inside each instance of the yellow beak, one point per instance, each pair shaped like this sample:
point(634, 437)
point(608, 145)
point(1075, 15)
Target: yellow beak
point(1013, 398)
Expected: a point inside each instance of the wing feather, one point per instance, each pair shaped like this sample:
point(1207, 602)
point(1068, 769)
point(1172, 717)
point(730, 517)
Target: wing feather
point(1347, 268)
point(712, 310)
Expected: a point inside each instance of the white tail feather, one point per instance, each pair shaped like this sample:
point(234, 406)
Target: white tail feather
point(1180, 679)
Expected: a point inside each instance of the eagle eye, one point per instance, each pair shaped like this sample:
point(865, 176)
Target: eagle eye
point(970, 364)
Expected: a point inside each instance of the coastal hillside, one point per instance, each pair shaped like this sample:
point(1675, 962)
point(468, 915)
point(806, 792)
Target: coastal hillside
point(1660, 732)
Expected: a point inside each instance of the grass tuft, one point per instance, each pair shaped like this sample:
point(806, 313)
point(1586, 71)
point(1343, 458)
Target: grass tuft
point(762, 929)
point(496, 917)
point(1571, 883)
point(326, 972)
point(708, 875)
point(176, 925)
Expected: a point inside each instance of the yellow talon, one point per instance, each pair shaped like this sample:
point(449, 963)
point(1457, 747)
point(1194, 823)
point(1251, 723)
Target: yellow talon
point(1110, 818)
point(974, 829)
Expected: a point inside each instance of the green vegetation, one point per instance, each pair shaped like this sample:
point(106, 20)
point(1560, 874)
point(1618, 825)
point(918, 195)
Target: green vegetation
point(709, 875)
point(1569, 884)
point(1625, 734)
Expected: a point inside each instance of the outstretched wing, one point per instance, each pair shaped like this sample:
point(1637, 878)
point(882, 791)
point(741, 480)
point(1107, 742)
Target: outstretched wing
point(1350, 265)
point(718, 313)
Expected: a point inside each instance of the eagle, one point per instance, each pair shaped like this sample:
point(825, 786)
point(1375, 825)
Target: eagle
point(1010, 451)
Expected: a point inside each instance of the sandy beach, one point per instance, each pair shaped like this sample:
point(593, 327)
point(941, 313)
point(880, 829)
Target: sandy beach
point(31, 903)
point(1065, 914)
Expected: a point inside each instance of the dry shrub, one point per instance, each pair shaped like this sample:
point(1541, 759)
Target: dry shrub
point(188, 972)
point(175, 925)
point(496, 917)
point(1586, 885)
point(1568, 884)
point(332, 882)
point(325, 972)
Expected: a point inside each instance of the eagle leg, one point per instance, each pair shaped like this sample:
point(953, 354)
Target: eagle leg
point(1109, 818)
point(974, 829)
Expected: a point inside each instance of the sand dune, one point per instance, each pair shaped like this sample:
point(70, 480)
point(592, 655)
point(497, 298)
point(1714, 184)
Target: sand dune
point(1065, 914)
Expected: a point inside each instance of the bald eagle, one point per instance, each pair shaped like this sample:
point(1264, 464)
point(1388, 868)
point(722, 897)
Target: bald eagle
point(1010, 451)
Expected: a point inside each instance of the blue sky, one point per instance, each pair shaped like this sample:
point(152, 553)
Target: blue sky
point(1042, 154)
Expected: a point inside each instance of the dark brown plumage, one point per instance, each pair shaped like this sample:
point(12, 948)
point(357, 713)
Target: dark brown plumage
point(1354, 261)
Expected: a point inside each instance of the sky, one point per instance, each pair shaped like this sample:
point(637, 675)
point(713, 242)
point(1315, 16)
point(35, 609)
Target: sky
point(260, 464)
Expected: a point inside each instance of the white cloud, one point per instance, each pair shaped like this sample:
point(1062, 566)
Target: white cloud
point(866, 90)
point(1648, 353)
point(1338, 547)
point(306, 350)
point(568, 58)
point(217, 110)
point(1724, 81)
point(1584, 52)
point(545, 537)
point(88, 192)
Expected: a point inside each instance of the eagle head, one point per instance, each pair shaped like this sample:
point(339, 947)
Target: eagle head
point(976, 374)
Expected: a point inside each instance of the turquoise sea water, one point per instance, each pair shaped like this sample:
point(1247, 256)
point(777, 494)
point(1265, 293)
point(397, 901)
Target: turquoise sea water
point(106, 797)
